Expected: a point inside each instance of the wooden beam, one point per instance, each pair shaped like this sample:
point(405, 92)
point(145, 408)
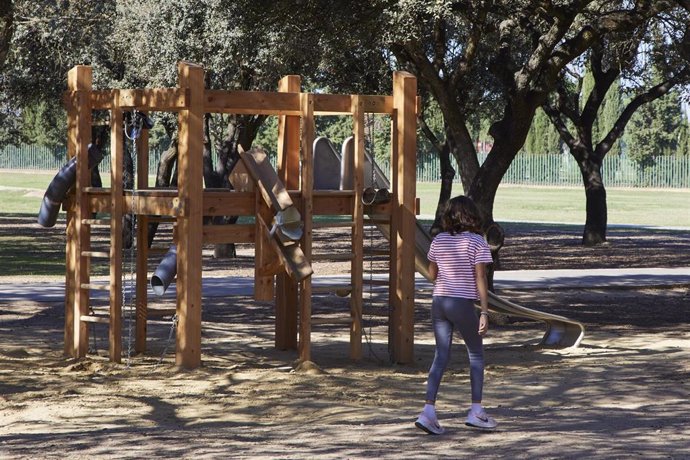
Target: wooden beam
point(224, 234)
point(142, 248)
point(263, 252)
point(267, 181)
point(286, 102)
point(229, 203)
point(307, 140)
point(148, 99)
point(287, 289)
point(341, 104)
point(116, 213)
point(79, 78)
point(189, 226)
point(357, 264)
point(403, 216)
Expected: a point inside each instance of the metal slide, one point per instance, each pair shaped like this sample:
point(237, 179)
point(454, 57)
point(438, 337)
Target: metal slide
point(561, 332)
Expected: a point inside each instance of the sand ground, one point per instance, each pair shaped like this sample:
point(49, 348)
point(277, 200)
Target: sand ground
point(624, 393)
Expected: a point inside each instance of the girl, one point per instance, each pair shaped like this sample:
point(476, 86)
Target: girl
point(458, 258)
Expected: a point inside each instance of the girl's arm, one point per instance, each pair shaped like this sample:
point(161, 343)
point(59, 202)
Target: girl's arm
point(433, 270)
point(483, 289)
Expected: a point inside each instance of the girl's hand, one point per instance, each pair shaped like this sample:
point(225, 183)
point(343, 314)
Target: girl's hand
point(483, 324)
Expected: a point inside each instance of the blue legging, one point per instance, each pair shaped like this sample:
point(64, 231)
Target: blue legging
point(448, 313)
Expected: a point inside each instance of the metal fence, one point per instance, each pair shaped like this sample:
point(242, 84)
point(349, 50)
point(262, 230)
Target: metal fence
point(548, 169)
point(562, 170)
point(33, 157)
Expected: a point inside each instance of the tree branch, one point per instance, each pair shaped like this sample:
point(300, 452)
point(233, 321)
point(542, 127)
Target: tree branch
point(653, 93)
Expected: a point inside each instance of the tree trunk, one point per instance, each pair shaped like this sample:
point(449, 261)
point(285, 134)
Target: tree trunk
point(595, 193)
point(166, 165)
point(447, 176)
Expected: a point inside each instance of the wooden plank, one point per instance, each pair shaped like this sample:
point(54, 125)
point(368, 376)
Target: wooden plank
point(116, 213)
point(71, 245)
point(189, 226)
point(148, 99)
point(96, 254)
point(404, 169)
point(165, 205)
point(240, 179)
point(238, 102)
point(289, 253)
point(142, 269)
point(252, 102)
point(79, 78)
point(95, 319)
point(271, 188)
point(357, 264)
point(340, 104)
point(221, 234)
point(143, 203)
point(288, 104)
point(287, 299)
point(287, 289)
point(142, 247)
point(334, 203)
point(229, 203)
point(94, 287)
point(307, 176)
point(71, 256)
point(263, 252)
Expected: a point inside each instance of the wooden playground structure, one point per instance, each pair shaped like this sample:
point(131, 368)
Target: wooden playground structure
point(282, 269)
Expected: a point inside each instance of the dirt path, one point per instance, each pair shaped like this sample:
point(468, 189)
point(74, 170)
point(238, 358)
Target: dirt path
point(622, 394)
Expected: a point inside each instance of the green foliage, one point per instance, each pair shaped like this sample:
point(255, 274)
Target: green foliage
point(542, 137)
point(684, 137)
point(43, 124)
point(267, 137)
point(654, 130)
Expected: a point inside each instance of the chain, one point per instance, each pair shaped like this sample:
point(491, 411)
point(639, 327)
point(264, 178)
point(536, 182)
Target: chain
point(135, 125)
point(370, 294)
point(131, 283)
point(173, 326)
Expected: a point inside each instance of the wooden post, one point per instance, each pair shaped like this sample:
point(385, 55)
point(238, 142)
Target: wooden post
point(79, 79)
point(189, 224)
point(307, 141)
point(403, 216)
point(263, 283)
point(288, 138)
point(287, 292)
point(71, 258)
point(142, 247)
point(357, 265)
point(116, 211)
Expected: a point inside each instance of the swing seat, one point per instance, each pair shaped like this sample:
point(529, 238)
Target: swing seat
point(373, 195)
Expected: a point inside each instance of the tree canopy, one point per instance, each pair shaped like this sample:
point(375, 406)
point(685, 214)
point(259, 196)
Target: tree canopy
point(487, 65)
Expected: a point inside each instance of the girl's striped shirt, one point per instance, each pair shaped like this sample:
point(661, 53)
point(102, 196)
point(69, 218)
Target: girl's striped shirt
point(456, 255)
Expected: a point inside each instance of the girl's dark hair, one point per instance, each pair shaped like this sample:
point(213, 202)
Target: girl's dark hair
point(461, 215)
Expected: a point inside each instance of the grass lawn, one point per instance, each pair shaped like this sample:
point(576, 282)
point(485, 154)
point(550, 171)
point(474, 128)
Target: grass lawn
point(653, 207)
point(21, 192)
